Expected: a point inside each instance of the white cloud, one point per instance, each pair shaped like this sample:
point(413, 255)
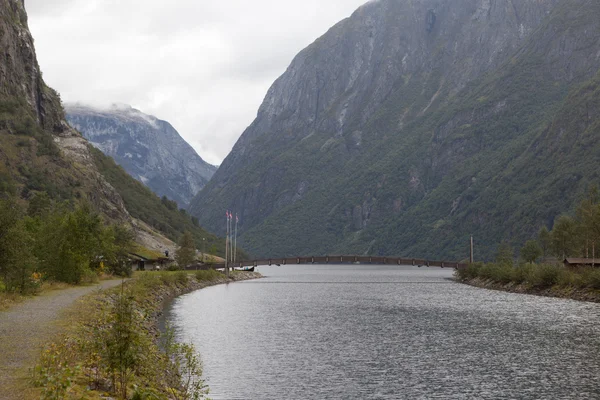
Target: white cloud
point(202, 65)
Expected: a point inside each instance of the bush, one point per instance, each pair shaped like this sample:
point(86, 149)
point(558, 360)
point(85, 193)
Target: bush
point(520, 274)
point(537, 276)
point(543, 276)
point(209, 275)
point(593, 280)
point(174, 278)
point(568, 278)
point(471, 272)
point(502, 273)
point(173, 267)
point(587, 278)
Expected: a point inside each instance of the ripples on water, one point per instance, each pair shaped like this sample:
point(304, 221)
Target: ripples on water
point(381, 332)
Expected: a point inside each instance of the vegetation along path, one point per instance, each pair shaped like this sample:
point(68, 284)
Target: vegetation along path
point(25, 327)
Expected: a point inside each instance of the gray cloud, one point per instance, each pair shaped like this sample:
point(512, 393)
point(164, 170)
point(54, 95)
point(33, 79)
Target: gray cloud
point(202, 65)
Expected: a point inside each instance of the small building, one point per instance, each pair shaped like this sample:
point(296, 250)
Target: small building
point(141, 263)
point(581, 262)
point(137, 262)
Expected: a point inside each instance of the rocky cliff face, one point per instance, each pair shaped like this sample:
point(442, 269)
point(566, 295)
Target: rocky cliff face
point(149, 149)
point(32, 109)
point(386, 134)
point(40, 152)
point(20, 75)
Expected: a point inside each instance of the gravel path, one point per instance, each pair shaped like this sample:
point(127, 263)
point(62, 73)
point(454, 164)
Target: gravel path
point(25, 327)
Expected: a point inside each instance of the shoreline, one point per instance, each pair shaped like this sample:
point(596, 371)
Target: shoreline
point(566, 293)
point(167, 298)
point(80, 361)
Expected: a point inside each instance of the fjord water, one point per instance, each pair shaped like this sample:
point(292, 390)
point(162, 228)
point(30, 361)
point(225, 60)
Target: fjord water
point(384, 332)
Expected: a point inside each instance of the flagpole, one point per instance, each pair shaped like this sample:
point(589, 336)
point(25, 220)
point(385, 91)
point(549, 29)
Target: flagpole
point(226, 242)
point(235, 240)
point(230, 244)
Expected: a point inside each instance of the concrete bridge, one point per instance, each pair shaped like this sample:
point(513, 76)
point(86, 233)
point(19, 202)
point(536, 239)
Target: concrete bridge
point(376, 260)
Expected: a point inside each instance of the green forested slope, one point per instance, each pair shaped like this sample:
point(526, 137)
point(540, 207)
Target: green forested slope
point(498, 157)
point(40, 153)
point(162, 214)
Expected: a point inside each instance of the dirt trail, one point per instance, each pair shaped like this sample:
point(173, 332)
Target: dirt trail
point(25, 327)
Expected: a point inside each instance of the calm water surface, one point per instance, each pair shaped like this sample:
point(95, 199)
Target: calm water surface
point(382, 332)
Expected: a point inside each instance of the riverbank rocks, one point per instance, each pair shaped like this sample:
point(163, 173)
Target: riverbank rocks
point(572, 293)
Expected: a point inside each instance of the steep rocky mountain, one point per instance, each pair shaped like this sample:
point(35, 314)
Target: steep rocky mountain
point(40, 152)
point(149, 149)
point(415, 123)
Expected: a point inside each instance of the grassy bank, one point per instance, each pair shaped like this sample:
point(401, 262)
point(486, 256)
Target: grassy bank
point(541, 279)
point(111, 346)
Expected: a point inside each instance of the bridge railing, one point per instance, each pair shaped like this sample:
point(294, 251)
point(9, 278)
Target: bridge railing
point(335, 259)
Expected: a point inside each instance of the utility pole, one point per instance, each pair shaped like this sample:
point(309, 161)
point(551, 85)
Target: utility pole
point(204, 250)
point(471, 258)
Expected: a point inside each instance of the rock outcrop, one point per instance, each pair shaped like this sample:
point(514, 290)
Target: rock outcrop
point(24, 97)
point(149, 149)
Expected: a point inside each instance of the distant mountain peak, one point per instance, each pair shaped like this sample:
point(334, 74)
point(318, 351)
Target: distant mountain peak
point(149, 149)
point(116, 110)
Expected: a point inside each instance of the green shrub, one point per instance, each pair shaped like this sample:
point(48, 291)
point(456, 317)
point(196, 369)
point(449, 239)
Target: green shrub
point(594, 279)
point(471, 272)
point(497, 272)
point(520, 273)
point(569, 278)
point(544, 275)
point(589, 278)
point(172, 278)
point(502, 273)
point(209, 275)
point(537, 276)
point(173, 267)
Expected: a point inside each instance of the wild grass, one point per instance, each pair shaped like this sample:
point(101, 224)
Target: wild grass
point(210, 275)
point(537, 276)
point(8, 300)
point(111, 348)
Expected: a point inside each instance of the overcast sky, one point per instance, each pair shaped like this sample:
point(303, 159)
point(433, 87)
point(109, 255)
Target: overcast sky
point(203, 65)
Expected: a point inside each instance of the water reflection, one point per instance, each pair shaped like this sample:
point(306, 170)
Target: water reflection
point(364, 332)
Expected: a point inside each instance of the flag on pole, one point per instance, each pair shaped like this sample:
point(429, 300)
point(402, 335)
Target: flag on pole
point(235, 239)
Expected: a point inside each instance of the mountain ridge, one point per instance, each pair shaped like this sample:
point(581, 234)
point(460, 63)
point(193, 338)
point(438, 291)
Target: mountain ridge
point(149, 149)
point(386, 141)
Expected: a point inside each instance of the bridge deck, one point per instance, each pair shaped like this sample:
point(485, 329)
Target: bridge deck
point(376, 260)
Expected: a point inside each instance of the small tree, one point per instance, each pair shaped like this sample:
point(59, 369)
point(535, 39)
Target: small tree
point(564, 237)
point(186, 254)
point(121, 342)
point(212, 251)
point(17, 264)
point(121, 242)
point(531, 251)
point(183, 369)
point(504, 254)
point(70, 243)
point(545, 241)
